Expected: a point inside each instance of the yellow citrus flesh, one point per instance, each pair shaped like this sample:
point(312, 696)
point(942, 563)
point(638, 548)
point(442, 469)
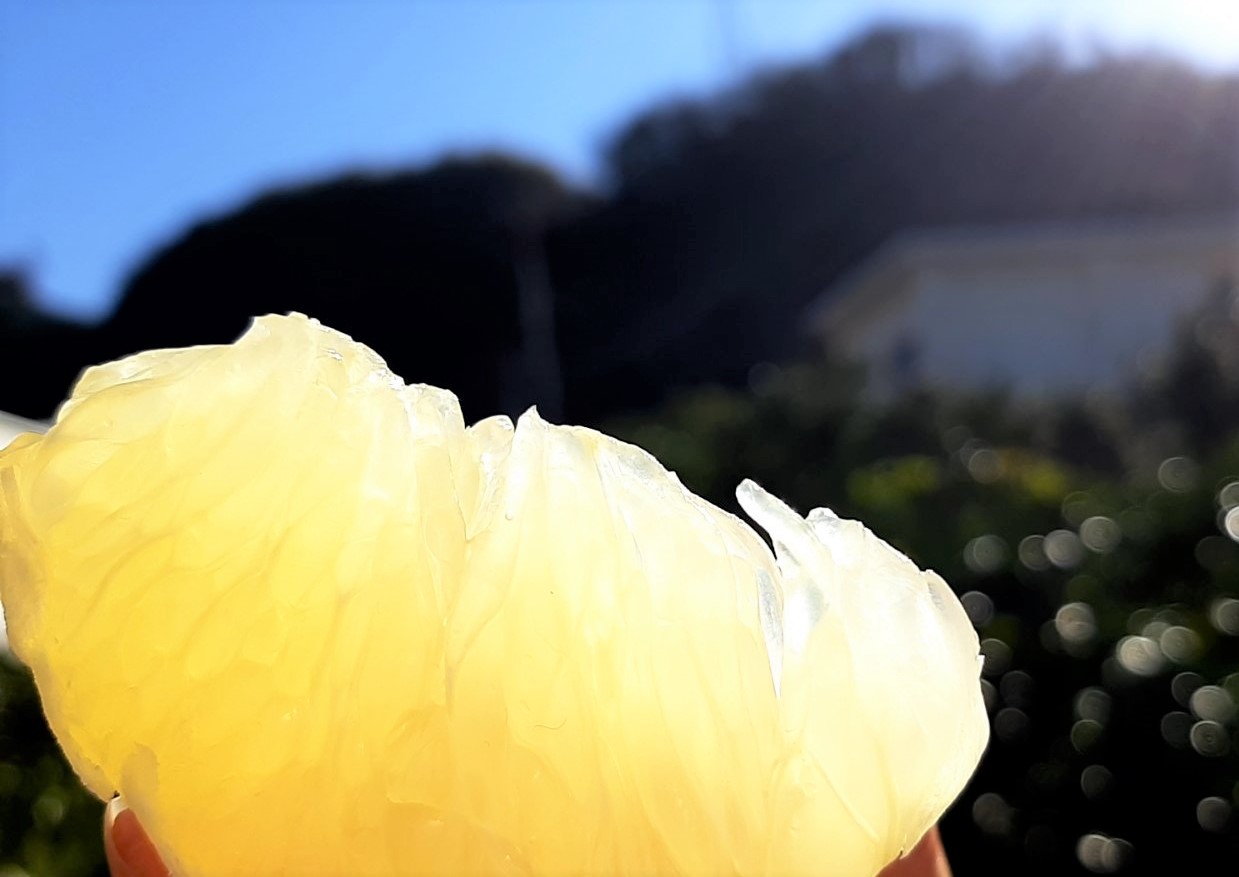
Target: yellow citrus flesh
point(308, 623)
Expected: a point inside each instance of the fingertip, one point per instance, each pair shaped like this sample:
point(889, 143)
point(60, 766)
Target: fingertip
point(115, 866)
point(129, 851)
point(927, 859)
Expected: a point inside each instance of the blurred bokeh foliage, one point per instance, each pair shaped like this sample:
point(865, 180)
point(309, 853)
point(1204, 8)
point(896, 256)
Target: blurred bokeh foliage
point(49, 823)
point(1094, 545)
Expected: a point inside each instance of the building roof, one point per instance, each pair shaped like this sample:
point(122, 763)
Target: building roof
point(872, 284)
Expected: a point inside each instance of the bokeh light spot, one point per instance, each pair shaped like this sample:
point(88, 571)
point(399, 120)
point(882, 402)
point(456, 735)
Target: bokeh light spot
point(1209, 738)
point(1032, 553)
point(1183, 685)
point(1076, 507)
point(1085, 733)
point(1100, 534)
point(990, 694)
point(1176, 729)
point(1224, 615)
point(1178, 474)
point(1139, 655)
point(1063, 549)
point(1230, 523)
point(1212, 702)
point(979, 606)
point(985, 554)
point(1154, 629)
point(997, 655)
point(1102, 854)
point(1076, 624)
point(1093, 703)
point(1096, 782)
point(1011, 725)
point(992, 814)
point(1213, 813)
point(984, 465)
point(1137, 620)
point(1180, 644)
point(1228, 496)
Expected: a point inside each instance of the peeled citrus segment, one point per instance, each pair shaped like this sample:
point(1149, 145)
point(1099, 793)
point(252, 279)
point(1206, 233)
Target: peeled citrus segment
point(307, 622)
point(10, 428)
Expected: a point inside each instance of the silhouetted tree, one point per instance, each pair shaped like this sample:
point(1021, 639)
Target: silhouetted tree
point(721, 219)
point(40, 356)
point(422, 266)
point(726, 216)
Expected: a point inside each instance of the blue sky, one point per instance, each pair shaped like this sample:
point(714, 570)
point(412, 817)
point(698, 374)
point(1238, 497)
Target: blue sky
point(122, 122)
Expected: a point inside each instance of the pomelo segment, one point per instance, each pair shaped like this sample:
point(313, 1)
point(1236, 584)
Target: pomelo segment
point(310, 624)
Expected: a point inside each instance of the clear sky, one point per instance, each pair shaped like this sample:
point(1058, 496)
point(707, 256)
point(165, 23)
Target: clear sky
point(122, 122)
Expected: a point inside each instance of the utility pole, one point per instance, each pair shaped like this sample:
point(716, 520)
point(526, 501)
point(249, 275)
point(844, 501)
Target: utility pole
point(729, 32)
point(539, 366)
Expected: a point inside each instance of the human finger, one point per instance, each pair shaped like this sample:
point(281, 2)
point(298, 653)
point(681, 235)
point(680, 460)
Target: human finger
point(129, 851)
point(927, 859)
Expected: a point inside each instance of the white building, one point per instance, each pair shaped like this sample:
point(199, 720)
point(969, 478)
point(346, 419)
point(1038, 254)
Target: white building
point(1033, 308)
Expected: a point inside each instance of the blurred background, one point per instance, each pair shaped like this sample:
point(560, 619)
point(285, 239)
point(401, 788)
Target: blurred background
point(965, 270)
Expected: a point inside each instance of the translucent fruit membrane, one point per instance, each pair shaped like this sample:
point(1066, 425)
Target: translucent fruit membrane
point(308, 623)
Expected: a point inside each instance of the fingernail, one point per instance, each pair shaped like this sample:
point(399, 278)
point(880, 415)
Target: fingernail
point(130, 852)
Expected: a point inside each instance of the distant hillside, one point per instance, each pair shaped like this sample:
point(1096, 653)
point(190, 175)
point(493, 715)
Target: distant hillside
point(720, 220)
point(419, 265)
point(40, 356)
point(728, 215)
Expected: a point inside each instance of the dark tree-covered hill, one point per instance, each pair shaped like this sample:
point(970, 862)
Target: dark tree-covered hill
point(419, 265)
point(727, 215)
point(719, 221)
point(39, 356)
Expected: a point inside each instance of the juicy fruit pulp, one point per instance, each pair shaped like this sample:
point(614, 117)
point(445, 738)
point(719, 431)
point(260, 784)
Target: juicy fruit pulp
point(309, 623)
